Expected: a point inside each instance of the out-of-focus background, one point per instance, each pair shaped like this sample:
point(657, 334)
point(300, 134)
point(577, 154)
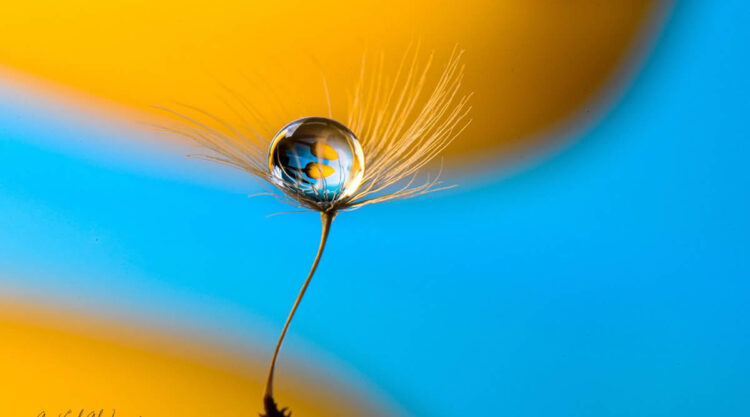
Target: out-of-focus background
point(594, 260)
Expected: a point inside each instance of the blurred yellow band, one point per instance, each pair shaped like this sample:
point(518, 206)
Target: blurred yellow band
point(531, 63)
point(54, 361)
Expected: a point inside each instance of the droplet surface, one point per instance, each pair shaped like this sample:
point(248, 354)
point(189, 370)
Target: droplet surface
point(318, 157)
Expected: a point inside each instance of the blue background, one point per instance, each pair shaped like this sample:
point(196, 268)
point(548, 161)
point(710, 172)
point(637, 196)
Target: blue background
point(607, 279)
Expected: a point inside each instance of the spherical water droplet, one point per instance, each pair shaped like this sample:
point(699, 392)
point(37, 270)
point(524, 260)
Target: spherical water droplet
point(317, 157)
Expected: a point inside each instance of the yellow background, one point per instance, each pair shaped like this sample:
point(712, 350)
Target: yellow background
point(531, 64)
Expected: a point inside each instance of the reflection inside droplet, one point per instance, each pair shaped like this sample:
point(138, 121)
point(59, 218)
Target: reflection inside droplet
point(317, 157)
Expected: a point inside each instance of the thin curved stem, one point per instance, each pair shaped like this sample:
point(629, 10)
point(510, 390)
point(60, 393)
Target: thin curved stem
point(326, 219)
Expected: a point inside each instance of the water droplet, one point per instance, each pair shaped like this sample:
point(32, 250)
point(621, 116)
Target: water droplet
point(317, 157)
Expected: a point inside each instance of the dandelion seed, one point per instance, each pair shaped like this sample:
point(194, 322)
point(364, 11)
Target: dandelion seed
point(319, 164)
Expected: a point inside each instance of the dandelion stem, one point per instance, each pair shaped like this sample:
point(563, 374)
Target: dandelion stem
point(326, 219)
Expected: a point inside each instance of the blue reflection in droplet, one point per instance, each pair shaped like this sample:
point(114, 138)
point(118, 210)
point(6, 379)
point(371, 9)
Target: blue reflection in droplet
point(317, 157)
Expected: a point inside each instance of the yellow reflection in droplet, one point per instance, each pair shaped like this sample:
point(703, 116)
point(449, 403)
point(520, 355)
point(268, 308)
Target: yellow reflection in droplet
point(317, 170)
point(324, 151)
